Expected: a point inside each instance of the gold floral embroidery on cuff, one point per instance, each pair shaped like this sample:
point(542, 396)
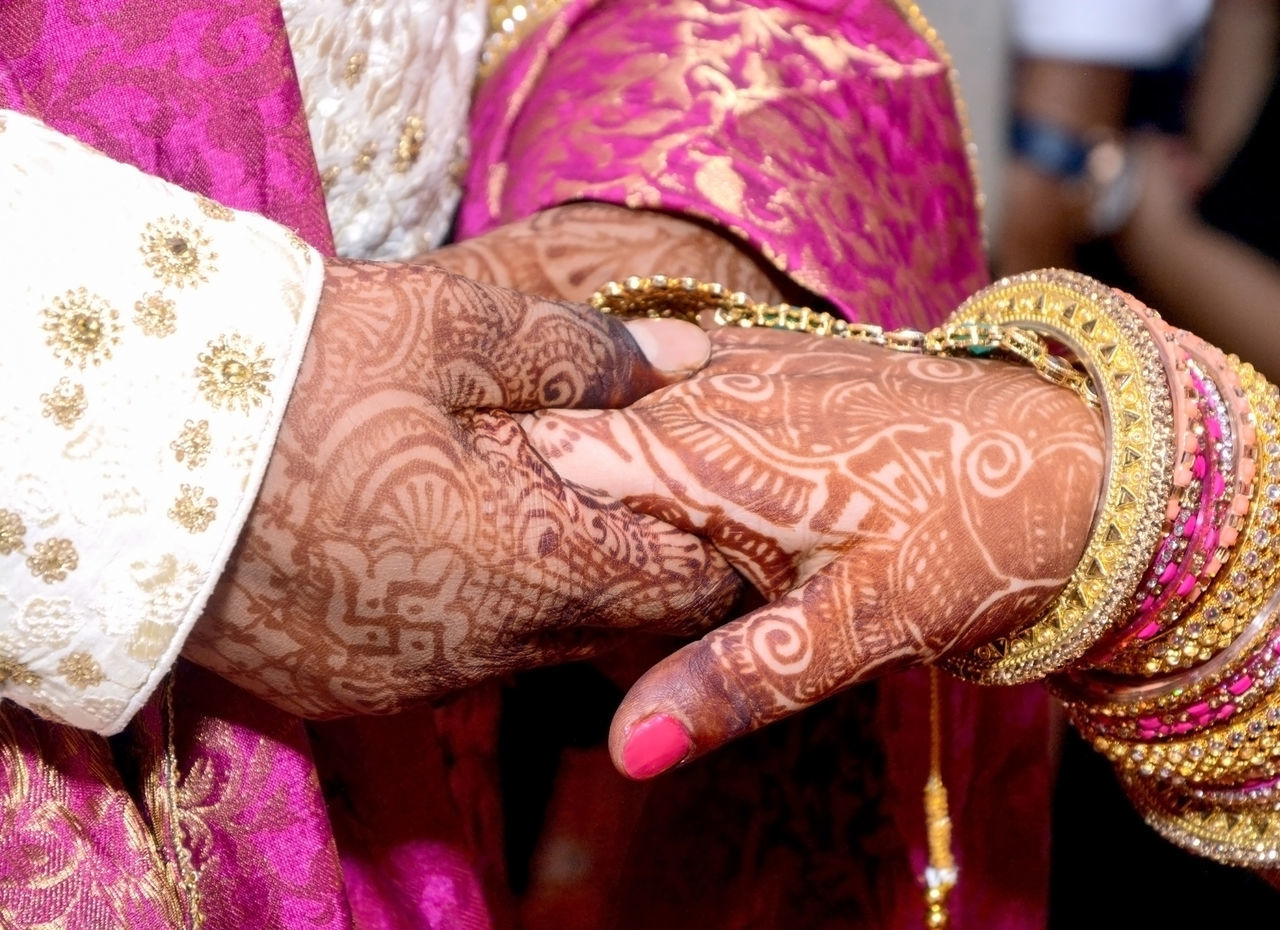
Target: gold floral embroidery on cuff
point(156, 315)
point(192, 444)
point(65, 404)
point(190, 512)
point(12, 529)
point(177, 252)
point(214, 210)
point(81, 670)
point(13, 672)
point(233, 373)
point(53, 559)
point(82, 328)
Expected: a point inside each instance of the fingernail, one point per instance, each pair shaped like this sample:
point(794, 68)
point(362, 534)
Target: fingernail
point(673, 346)
point(655, 744)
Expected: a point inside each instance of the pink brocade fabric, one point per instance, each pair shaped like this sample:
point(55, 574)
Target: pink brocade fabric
point(825, 135)
point(822, 133)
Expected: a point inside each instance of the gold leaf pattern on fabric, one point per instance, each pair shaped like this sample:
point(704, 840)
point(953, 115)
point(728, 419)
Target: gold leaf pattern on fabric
point(155, 315)
point(82, 328)
point(87, 859)
point(233, 373)
point(852, 165)
point(178, 252)
point(12, 529)
point(53, 559)
point(65, 404)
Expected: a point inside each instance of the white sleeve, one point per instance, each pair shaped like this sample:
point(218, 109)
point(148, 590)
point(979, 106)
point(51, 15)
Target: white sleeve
point(151, 338)
point(1125, 33)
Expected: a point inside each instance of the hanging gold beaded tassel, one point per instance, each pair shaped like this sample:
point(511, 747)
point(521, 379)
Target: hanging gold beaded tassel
point(941, 873)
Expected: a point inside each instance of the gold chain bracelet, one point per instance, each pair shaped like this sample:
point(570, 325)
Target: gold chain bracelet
point(661, 297)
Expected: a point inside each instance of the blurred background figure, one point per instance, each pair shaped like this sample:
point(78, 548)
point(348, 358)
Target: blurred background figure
point(1142, 140)
point(1140, 145)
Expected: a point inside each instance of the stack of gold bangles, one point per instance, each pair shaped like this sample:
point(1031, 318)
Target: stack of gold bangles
point(1165, 642)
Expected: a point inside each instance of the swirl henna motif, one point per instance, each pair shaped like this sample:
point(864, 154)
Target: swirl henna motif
point(891, 508)
point(407, 540)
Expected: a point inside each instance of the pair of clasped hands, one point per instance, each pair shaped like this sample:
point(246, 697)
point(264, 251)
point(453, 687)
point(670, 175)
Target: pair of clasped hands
point(471, 480)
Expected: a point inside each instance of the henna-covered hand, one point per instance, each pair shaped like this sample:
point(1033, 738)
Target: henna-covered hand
point(891, 509)
point(407, 540)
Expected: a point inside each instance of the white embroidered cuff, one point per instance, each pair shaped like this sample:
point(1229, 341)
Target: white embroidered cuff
point(152, 338)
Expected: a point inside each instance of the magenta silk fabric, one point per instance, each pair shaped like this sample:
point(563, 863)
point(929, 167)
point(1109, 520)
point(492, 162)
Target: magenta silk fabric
point(829, 142)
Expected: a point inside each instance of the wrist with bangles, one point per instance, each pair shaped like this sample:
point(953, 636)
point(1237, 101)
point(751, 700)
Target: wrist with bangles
point(1165, 642)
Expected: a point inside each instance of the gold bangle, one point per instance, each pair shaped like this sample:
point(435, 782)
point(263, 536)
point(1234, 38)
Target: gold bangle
point(1243, 834)
point(1118, 351)
point(1229, 618)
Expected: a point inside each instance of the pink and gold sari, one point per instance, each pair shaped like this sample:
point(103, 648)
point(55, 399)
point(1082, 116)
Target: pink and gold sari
point(826, 136)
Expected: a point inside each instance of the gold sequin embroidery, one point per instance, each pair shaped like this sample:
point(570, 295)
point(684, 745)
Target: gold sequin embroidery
point(155, 315)
point(232, 373)
point(81, 670)
point(355, 68)
point(14, 672)
point(364, 160)
point(214, 210)
point(82, 328)
point(409, 146)
point(65, 404)
point(191, 512)
point(12, 529)
point(53, 559)
point(192, 444)
point(177, 252)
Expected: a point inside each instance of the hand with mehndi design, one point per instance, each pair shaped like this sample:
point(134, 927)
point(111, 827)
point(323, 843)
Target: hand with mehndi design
point(408, 541)
point(890, 509)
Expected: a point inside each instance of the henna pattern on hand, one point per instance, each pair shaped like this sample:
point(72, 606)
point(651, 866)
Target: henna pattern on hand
point(407, 540)
point(569, 251)
point(893, 508)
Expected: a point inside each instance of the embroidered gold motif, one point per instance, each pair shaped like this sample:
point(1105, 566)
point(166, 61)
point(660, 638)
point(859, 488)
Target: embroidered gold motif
point(82, 328)
point(190, 512)
point(192, 444)
point(234, 374)
point(409, 146)
point(177, 252)
point(14, 672)
point(367, 153)
point(12, 530)
point(328, 177)
point(298, 242)
point(155, 315)
point(355, 68)
point(214, 210)
point(53, 559)
point(65, 404)
point(81, 670)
